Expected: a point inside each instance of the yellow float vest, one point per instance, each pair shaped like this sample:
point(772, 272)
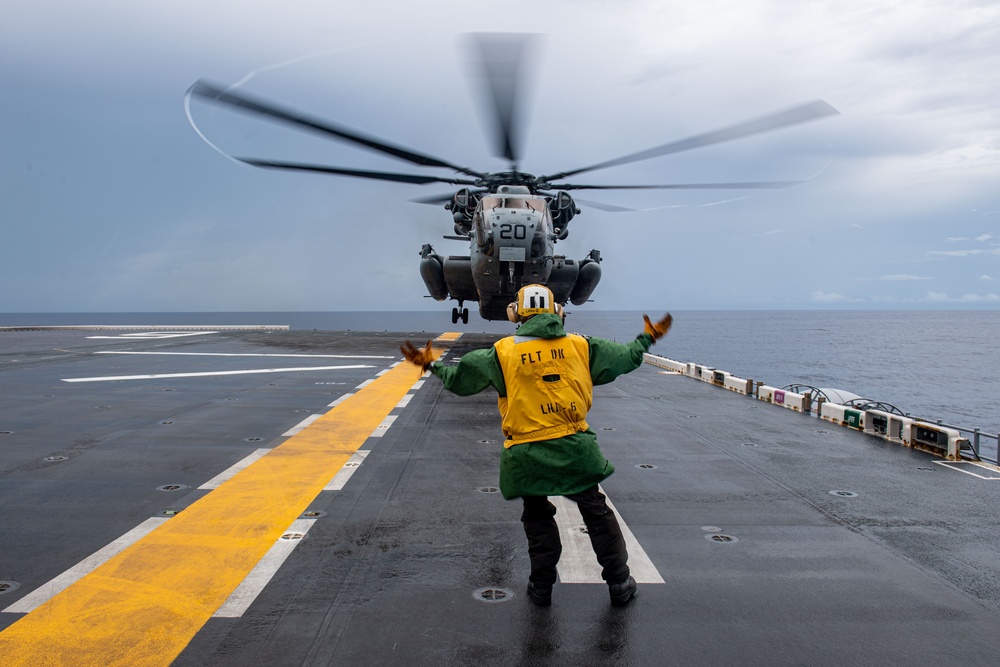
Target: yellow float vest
point(549, 388)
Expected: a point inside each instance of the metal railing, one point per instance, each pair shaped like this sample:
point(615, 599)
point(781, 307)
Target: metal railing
point(817, 397)
point(974, 440)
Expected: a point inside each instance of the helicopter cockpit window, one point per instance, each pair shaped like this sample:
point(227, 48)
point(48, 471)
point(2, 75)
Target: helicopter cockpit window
point(491, 203)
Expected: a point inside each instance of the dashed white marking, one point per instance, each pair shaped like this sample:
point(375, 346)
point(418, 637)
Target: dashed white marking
point(248, 590)
point(229, 354)
point(49, 590)
point(403, 402)
point(158, 376)
point(578, 564)
point(298, 428)
point(383, 427)
point(233, 469)
point(365, 383)
point(341, 399)
point(344, 474)
point(418, 384)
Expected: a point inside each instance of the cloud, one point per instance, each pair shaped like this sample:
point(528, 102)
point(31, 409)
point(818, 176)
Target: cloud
point(957, 253)
point(114, 184)
point(903, 277)
point(987, 278)
point(771, 232)
point(941, 297)
point(820, 296)
point(976, 298)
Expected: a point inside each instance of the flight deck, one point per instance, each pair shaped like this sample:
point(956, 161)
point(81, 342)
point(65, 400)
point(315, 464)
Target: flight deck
point(217, 496)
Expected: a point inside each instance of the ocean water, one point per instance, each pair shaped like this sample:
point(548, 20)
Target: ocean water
point(932, 364)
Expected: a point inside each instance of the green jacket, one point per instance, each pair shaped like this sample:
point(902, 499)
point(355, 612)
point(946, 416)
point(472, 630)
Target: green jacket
point(558, 467)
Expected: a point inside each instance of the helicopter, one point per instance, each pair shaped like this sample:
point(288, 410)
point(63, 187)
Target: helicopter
point(511, 219)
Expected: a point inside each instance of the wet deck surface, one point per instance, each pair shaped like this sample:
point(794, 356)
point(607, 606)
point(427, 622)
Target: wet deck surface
point(728, 497)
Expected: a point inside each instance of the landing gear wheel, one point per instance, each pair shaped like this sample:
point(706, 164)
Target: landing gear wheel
point(454, 315)
point(465, 316)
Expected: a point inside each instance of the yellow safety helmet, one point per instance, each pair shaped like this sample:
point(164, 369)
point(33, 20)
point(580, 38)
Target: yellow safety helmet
point(532, 300)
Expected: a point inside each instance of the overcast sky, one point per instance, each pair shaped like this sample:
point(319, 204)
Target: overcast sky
point(112, 202)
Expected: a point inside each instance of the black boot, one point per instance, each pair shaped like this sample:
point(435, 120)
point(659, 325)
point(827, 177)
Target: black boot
point(540, 595)
point(623, 592)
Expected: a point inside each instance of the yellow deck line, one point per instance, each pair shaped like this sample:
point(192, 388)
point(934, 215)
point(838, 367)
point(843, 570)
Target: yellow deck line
point(145, 605)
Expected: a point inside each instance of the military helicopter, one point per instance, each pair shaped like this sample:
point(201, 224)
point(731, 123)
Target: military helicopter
point(511, 219)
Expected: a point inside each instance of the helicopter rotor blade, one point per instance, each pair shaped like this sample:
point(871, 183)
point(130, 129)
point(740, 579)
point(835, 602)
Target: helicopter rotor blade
point(240, 101)
point(752, 185)
point(502, 58)
point(601, 206)
point(795, 115)
point(442, 198)
point(434, 199)
point(357, 173)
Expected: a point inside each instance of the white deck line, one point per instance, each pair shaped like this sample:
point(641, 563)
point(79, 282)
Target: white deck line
point(47, 591)
point(152, 335)
point(954, 465)
point(231, 354)
point(578, 564)
point(240, 599)
point(301, 426)
point(232, 470)
point(152, 327)
point(383, 427)
point(158, 376)
point(341, 399)
point(344, 474)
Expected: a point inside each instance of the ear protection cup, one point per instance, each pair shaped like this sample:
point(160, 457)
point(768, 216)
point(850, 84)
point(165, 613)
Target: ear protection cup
point(512, 313)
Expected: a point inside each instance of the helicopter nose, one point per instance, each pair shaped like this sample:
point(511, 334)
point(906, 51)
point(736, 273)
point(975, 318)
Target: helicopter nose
point(514, 225)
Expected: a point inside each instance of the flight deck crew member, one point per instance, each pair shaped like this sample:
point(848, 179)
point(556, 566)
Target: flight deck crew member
point(545, 378)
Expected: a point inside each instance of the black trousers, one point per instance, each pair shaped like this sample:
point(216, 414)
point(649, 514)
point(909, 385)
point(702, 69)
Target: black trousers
point(544, 546)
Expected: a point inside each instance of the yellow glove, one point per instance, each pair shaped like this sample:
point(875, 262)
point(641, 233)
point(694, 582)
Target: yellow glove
point(659, 329)
point(415, 355)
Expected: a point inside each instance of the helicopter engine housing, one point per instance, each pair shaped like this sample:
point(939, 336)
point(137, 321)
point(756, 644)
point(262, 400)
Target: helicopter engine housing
point(462, 207)
point(563, 209)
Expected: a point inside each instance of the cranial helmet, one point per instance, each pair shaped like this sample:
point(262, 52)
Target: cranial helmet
point(532, 300)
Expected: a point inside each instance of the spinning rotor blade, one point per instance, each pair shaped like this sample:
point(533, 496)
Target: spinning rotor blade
point(793, 116)
point(434, 199)
point(359, 173)
point(601, 206)
point(441, 199)
point(758, 185)
point(502, 59)
point(213, 93)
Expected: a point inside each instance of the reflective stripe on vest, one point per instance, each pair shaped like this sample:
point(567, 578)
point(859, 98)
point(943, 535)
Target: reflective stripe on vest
point(549, 388)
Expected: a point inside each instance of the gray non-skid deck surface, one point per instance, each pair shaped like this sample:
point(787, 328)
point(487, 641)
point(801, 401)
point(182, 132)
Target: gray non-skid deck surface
point(902, 573)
